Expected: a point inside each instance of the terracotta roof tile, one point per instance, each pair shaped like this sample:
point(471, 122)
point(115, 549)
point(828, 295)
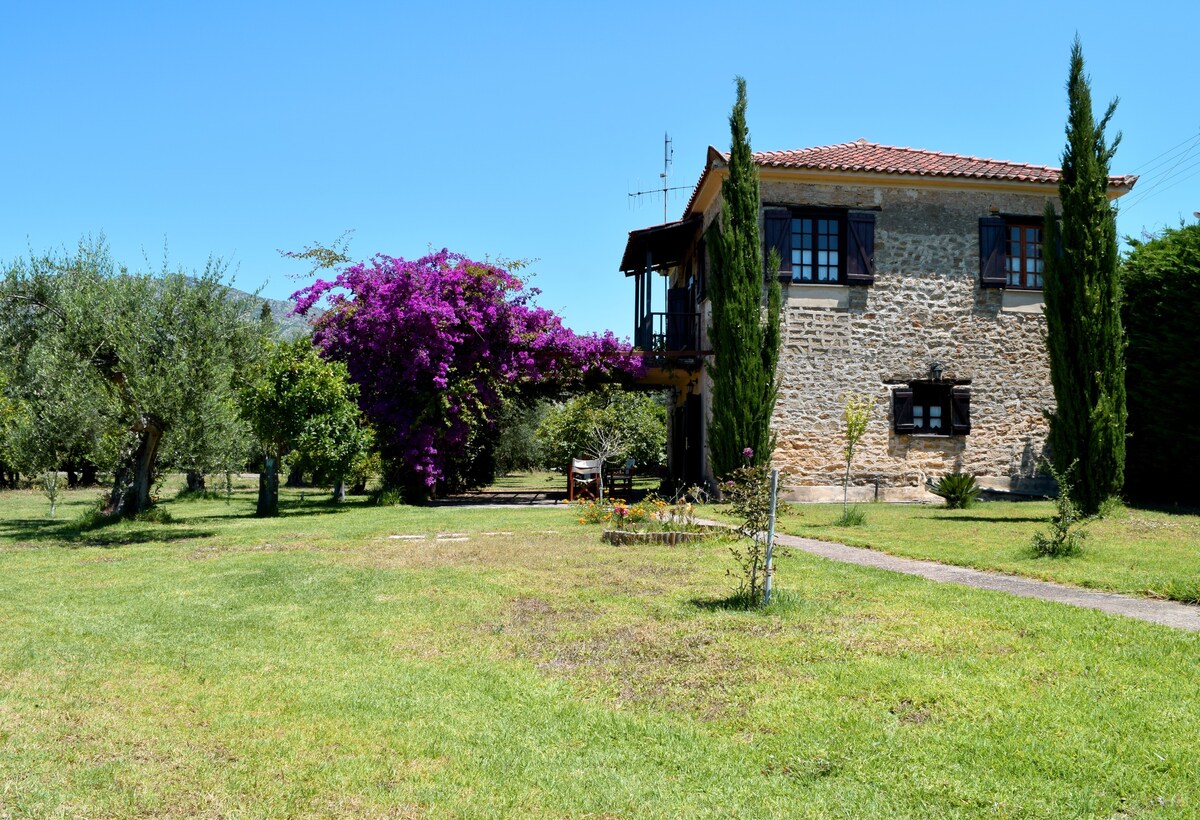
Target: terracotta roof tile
point(873, 158)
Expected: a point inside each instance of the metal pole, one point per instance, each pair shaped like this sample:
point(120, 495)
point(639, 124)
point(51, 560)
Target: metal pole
point(770, 570)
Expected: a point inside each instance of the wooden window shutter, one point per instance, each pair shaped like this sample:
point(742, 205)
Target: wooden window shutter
point(992, 253)
point(960, 411)
point(677, 318)
point(902, 406)
point(860, 257)
point(777, 234)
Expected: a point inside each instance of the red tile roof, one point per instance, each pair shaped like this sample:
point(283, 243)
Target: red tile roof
point(873, 158)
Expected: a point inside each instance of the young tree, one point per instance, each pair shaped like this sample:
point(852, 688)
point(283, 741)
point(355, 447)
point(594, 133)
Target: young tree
point(639, 420)
point(856, 414)
point(300, 402)
point(1082, 307)
point(437, 347)
point(745, 342)
point(1161, 279)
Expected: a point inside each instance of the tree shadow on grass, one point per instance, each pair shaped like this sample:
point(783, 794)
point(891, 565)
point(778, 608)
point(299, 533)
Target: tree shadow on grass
point(988, 519)
point(1168, 509)
point(292, 509)
point(782, 600)
point(108, 539)
point(737, 602)
point(73, 534)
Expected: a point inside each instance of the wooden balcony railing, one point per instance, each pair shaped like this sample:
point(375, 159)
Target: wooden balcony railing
point(668, 332)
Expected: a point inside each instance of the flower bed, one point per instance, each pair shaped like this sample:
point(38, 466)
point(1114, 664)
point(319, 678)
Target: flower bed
point(652, 521)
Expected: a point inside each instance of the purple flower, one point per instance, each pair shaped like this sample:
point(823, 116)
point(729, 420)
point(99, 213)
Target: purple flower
point(438, 345)
point(748, 454)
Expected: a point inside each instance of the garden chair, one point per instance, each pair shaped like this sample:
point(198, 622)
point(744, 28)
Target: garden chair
point(621, 480)
point(584, 478)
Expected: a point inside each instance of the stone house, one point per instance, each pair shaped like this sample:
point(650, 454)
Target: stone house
point(910, 276)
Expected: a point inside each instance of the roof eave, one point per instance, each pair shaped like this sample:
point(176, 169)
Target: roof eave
point(702, 195)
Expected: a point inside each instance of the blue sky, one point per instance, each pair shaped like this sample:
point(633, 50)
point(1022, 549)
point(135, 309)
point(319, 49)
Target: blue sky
point(518, 130)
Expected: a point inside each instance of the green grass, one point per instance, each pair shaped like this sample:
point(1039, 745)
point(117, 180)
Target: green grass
point(1135, 551)
point(316, 666)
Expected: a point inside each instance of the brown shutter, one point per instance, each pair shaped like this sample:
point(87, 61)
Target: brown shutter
point(777, 234)
point(860, 257)
point(960, 411)
point(902, 404)
point(677, 319)
point(992, 253)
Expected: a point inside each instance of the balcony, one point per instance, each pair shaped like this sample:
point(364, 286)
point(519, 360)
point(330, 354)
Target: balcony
point(668, 260)
point(667, 333)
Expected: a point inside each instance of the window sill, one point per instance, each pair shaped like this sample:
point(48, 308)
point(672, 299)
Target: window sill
point(828, 296)
point(1017, 300)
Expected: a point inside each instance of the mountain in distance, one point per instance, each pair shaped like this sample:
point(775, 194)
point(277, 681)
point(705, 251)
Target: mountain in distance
point(289, 326)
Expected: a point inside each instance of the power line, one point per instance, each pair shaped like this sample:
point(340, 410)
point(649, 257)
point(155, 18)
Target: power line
point(1179, 153)
point(1156, 188)
point(1169, 187)
point(1142, 167)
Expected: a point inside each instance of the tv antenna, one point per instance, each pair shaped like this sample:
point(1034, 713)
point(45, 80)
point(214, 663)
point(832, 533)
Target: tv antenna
point(668, 160)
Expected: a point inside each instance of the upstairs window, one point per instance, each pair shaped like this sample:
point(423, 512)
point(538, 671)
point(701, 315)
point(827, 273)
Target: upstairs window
point(816, 249)
point(821, 246)
point(1010, 252)
point(1024, 255)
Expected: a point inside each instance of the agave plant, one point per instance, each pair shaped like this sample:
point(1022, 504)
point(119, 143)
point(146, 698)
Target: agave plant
point(959, 490)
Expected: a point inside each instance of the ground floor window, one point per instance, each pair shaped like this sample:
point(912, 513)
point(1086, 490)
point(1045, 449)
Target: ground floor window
point(932, 409)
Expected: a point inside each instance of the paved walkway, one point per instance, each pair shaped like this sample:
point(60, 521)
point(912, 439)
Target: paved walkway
point(1167, 613)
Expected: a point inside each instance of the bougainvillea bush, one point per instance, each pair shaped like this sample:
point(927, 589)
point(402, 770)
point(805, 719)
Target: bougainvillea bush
point(437, 346)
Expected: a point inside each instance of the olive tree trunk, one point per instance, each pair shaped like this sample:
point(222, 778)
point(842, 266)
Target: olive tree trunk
point(135, 478)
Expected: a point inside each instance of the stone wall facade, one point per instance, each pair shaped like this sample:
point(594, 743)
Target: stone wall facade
point(926, 305)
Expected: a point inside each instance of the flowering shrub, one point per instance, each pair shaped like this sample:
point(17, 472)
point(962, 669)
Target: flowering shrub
point(437, 346)
point(652, 514)
point(613, 512)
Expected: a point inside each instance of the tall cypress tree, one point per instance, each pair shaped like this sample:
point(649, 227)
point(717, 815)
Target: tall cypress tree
point(745, 342)
point(1082, 307)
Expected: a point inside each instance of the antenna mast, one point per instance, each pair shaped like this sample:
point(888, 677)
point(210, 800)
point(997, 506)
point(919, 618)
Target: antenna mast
point(668, 161)
point(668, 153)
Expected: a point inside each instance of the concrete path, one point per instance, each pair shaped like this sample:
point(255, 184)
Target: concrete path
point(1167, 613)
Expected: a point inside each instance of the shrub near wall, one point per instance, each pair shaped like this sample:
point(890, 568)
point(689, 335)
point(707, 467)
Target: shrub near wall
point(1162, 378)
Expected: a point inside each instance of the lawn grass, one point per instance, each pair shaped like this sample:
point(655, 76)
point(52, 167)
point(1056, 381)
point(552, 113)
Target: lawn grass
point(314, 665)
point(1135, 551)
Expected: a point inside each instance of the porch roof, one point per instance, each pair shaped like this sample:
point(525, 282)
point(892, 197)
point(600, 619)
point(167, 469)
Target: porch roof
point(665, 244)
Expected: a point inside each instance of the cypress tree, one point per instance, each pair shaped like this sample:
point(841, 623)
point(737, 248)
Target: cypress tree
point(1082, 307)
point(745, 342)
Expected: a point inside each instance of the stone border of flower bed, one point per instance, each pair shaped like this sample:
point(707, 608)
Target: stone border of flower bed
point(628, 537)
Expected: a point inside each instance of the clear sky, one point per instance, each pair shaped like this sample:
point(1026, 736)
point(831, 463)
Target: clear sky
point(517, 130)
